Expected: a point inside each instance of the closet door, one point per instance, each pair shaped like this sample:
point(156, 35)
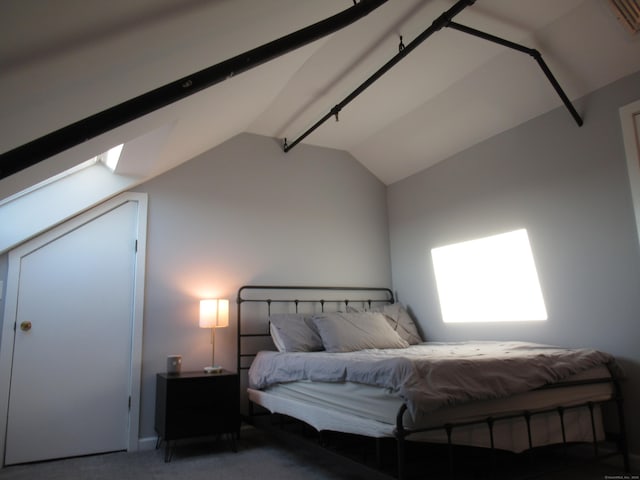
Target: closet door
point(70, 379)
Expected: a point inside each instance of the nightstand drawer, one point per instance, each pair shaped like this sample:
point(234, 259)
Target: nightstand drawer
point(187, 423)
point(203, 393)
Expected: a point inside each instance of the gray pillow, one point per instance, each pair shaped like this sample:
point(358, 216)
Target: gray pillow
point(294, 332)
point(348, 332)
point(398, 318)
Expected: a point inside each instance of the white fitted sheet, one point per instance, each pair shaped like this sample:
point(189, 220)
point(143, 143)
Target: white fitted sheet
point(367, 410)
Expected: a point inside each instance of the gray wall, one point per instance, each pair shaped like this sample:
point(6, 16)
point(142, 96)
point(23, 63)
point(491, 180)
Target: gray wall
point(246, 213)
point(568, 187)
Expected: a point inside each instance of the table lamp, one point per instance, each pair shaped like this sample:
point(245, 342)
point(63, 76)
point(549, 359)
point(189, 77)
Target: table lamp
point(214, 313)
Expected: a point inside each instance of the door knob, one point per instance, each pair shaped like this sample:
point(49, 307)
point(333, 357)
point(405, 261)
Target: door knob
point(25, 326)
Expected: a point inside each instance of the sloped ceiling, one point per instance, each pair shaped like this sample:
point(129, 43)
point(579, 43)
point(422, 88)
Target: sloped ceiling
point(66, 60)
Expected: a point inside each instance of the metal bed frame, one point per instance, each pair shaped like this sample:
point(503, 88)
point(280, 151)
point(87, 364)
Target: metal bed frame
point(316, 297)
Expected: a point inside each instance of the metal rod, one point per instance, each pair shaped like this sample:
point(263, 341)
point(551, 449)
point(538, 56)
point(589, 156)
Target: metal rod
point(593, 430)
point(336, 300)
point(449, 428)
point(79, 132)
point(437, 24)
point(400, 441)
point(213, 346)
point(564, 433)
point(527, 417)
point(319, 287)
point(490, 423)
point(623, 445)
point(530, 51)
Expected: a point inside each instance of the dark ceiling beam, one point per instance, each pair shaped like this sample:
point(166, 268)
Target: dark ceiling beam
point(81, 131)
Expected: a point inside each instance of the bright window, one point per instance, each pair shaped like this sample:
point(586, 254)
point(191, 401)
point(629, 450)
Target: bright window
point(492, 279)
point(111, 157)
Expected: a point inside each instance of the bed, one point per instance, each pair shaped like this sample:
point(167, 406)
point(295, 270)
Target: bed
point(351, 360)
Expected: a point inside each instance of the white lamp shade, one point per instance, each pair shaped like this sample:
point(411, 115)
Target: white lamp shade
point(214, 313)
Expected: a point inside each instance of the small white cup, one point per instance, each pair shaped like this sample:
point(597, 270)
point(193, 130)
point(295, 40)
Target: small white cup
point(174, 363)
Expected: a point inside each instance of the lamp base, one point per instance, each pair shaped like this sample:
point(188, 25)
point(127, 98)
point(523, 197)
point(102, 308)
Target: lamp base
point(214, 369)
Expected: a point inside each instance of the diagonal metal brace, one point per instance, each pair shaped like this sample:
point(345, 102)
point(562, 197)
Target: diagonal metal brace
point(445, 20)
point(530, 51)
point(438, 24)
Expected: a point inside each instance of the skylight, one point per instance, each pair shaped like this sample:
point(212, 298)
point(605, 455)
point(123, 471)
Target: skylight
point(491, 279)
point(111, 157)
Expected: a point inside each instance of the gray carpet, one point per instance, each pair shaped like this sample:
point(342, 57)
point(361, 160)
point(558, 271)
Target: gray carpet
point(267, 454)
point(260, 456)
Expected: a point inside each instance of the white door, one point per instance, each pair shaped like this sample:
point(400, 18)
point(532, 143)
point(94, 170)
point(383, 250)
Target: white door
point(72, 356)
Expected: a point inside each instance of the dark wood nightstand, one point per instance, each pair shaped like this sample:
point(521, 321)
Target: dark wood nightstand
point(195, 404)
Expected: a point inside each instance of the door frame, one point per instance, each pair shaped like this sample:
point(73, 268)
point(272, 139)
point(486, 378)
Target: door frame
point(629, 116)
point(11, 304)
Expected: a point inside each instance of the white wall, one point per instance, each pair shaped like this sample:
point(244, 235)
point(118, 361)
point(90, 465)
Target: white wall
point(247, 213)
point(569, 187)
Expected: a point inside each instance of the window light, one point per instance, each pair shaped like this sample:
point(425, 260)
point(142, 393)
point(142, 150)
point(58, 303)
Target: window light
point(111, 157)
point(492, 279)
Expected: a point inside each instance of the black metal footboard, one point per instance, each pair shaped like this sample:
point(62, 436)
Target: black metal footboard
point(402, 433)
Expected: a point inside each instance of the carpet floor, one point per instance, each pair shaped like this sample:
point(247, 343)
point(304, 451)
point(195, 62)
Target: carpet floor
point(266, 454)
point(260, 456)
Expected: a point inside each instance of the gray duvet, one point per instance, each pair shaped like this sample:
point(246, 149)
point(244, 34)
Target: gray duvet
point(432, 375)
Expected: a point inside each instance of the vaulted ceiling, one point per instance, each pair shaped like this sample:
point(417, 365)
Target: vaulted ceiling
point(63, 61)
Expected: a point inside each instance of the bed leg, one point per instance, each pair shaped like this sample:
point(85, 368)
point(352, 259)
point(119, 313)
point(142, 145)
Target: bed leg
point(593, 431)
point(400, 435)
point(527, 417)
point(622, 442)
point(623, 446)
point(449, 428)
point(490, 423)
point(564, 433)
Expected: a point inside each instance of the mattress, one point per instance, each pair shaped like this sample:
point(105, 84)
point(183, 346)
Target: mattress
point(371, 411)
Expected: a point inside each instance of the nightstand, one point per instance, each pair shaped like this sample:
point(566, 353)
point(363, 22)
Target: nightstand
point(196, 404)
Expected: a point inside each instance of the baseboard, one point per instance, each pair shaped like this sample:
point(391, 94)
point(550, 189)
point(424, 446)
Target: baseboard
point(147, 443)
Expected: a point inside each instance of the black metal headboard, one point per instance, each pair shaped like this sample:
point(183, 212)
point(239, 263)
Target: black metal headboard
point(257, 302)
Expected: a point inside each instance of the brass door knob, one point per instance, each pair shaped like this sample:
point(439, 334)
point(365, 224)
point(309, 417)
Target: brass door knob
point(25, 326)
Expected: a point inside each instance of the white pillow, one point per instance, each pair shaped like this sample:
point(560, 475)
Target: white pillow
point(294, 332)
point(398, 318)
point(348, 332)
